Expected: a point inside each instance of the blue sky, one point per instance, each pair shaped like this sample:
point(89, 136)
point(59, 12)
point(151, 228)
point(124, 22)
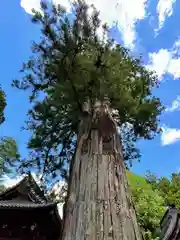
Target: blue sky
point(149, 27)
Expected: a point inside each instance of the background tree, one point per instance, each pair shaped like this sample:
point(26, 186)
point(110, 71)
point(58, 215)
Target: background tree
point(90, 86)
point(169, 189)
point(8, 147)
point(149, 204)
point(2, 105)
point(8, 155)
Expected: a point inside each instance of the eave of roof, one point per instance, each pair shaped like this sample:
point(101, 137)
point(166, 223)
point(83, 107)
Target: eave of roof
point(14, 205)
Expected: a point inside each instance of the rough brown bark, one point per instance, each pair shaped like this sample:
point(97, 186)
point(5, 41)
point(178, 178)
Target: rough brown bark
point(99, 205)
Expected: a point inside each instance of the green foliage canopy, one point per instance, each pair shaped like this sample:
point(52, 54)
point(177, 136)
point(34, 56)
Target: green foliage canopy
point(71, 64)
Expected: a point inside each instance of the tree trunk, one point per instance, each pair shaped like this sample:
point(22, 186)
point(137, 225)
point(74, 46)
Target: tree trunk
point(99, 206)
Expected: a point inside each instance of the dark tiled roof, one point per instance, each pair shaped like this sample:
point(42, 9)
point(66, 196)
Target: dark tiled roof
point(29, 182)
point(11, 197)
point(27, 197)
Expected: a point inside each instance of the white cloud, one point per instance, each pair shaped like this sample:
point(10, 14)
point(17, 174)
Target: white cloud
point(166, 61)
point(159, 61)
point(124, 13)
point(164, 10)
point(174, 68)
point(169, 135)
point(127, 14)
point(28, 5)
point(175, 106)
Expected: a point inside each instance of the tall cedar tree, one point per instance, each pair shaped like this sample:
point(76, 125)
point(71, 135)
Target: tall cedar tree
point(70, 65)
point(90, 87)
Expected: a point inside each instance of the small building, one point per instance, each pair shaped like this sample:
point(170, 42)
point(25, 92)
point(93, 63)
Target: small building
point(26, 214)
point(170, 224)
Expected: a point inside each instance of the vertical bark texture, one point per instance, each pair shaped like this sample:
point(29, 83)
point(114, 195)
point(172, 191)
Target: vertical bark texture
point(99, 205)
